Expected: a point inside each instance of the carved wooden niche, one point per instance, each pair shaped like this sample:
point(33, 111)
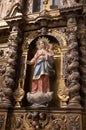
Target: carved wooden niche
point(57, 85)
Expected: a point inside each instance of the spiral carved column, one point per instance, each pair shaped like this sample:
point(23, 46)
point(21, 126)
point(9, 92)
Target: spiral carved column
point(73, 75)
point(82, 49)
point(9, 82)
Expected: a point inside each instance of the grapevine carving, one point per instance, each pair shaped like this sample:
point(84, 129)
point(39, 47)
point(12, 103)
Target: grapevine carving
point(72, 75)
point(9, 74)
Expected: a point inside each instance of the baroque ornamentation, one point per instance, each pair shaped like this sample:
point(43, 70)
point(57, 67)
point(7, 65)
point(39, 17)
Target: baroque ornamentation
point(72, 72)
point(6, 6)
point(68, 3)
point(3, 65)
point(2, 121)
point(60, 36)
point(43, 31)
point(45, 121)
point(63, 95)
point(19, 94)
point(82, 51)
point(51, 24)
point(9, 75)
point(28, 38)
point(65, 66)
point(74, 120)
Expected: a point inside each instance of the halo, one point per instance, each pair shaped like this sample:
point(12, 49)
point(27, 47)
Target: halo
point(43, 39)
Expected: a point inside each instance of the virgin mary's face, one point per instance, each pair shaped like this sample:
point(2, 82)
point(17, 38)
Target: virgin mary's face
point(42, 45)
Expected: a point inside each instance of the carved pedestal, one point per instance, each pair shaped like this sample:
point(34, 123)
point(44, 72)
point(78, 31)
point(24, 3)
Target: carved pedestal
point(44, 119)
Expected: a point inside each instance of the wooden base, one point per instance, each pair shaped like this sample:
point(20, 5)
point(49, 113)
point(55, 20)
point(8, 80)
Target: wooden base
point(44, 119)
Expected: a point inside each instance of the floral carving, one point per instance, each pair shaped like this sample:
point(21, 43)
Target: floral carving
point(39, 120)
point(74, 121)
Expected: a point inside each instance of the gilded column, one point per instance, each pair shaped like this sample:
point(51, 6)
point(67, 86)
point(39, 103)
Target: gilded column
point(73, 75)
point(10, 78)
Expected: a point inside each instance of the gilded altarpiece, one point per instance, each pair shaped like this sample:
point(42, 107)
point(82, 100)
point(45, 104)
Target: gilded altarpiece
point(64, 28)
